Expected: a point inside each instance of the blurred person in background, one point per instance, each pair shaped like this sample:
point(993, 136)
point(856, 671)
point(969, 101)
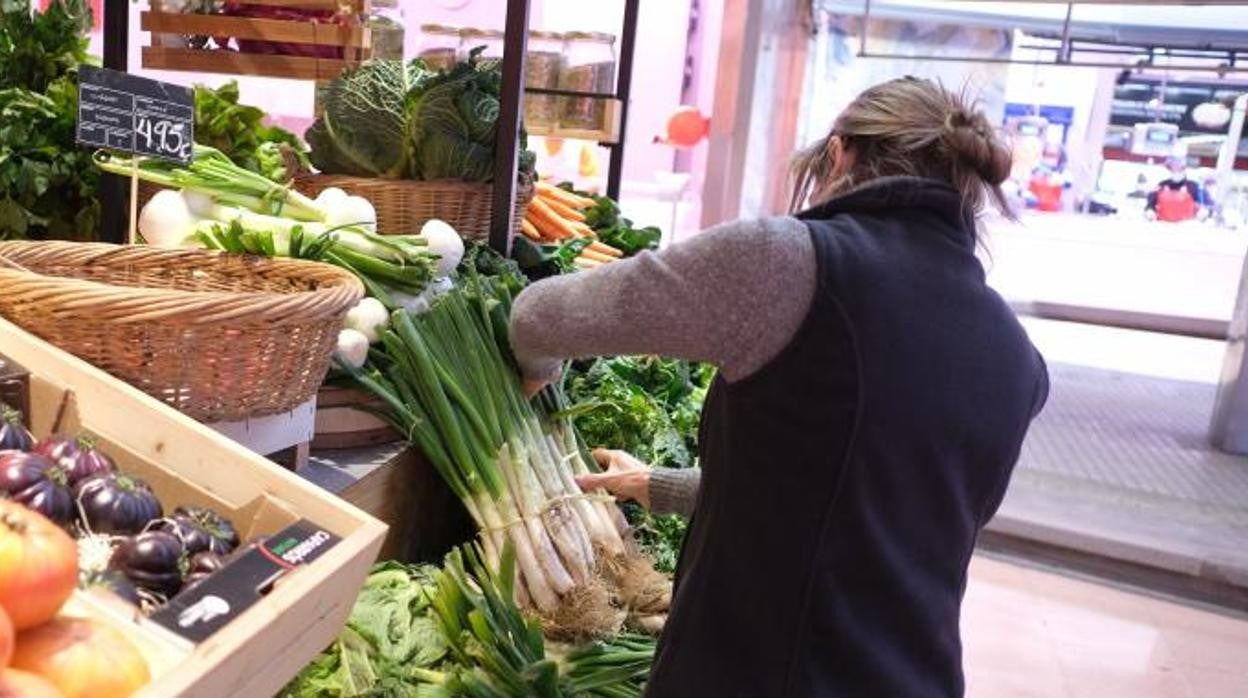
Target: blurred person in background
point(1177, 198)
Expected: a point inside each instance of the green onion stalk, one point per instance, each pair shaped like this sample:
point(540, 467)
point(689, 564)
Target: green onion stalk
point(448, 385)
point(496, 651)
point(244, 212)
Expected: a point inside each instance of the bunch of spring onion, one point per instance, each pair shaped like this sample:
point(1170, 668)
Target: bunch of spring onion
point(496, 651)
point(211, 202)
point(446, 378)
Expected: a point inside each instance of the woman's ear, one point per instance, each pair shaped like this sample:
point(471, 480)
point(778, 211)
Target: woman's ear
point(841, 158)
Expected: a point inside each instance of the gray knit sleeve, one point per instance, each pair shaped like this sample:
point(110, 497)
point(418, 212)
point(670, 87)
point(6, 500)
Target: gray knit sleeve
point(733, 296)
point(674, 490)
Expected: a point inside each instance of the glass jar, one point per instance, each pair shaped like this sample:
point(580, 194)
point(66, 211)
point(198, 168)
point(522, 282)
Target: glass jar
point(489, 40)
point(543, 62)
point(439, 46)
point(589, 66)
point(385, 19)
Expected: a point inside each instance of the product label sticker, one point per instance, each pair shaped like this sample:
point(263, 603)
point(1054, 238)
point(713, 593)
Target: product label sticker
point(124, 112)
point(200, 611)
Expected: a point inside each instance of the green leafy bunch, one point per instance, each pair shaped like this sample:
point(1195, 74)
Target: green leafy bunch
point(398, 120)
point(47, 183)
point(239, 131)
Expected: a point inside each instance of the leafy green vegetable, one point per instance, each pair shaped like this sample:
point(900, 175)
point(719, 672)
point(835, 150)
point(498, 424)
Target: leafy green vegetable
point(649, 407)
point(400, 120)
point(615, 230)
point(454, 122)
point(362, 129)
point(47, 183)
point(239, 131)
point(38, 50)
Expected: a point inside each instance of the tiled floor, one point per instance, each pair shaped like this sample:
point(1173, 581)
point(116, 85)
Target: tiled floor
point(1119, 464)
point(1028, 633)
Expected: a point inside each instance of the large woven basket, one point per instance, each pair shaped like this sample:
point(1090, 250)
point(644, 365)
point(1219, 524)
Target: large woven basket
point(403, 206)
point(219, 337)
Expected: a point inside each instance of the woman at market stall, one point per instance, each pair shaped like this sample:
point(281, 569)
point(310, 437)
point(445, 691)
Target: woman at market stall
point(871, 401)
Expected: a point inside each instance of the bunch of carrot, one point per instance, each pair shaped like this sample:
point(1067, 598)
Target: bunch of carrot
point(556, 215)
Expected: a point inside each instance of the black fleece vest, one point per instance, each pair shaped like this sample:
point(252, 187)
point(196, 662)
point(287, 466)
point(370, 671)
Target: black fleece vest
point(845, 482)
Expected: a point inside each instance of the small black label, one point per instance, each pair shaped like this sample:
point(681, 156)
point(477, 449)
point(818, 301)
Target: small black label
point(200, 611)
point(124, 112)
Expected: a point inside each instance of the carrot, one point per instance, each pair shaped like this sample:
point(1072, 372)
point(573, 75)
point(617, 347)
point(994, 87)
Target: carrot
point(585, 263)
point(590, 253)
point(529, 230)
point(549, 191)
point(584, 230)
point(605, 249)
point(547, 218)
point(566, 212)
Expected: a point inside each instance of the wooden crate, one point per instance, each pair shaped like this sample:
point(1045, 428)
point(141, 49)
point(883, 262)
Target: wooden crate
point(187, 463)
point(355, 41)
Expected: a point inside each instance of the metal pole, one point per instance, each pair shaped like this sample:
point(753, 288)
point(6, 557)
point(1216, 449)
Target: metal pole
point(624, 88)
point(1229, 429)
point(866, 19)
point(1063, 52)
point(507, 147)
point(114, 205)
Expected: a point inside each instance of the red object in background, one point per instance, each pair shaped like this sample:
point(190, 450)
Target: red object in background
point(1048, 191)
point(97, 11)
point(686, 127)
point(1175, 205)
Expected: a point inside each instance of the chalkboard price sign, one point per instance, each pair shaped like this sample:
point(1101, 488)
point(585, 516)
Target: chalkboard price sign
point(120, 111)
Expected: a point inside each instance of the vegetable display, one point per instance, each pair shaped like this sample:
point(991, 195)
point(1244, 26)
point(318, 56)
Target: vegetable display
point(38, 566)
point(14, 436)
point(398, 120)
point(449, 383)
point(556, 215)
point(47, 184)
point(224, 207)
point(201, 530)
point(649, 407)
point(151, 560)
point(239, 132)
point(116, 504)
point(35, 481)
point(82, 658)
point(77, 457)
point(456, 631)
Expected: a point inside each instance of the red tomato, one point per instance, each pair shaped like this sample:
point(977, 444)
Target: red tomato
point(38, 565)
point(21, 684)
point(6, 639)
point(82, 658)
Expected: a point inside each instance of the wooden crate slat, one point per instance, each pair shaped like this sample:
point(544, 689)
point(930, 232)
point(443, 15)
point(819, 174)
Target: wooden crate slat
point(357, 6)
point(236, 63)
point(284, 31)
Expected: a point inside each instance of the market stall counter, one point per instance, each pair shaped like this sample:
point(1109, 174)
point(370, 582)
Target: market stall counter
point(250, 626)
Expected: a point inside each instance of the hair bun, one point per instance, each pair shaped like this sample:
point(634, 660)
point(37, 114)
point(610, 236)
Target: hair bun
point(973, 143)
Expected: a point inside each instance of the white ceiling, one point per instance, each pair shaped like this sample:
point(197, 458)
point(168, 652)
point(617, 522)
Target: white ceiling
point(1225, 26)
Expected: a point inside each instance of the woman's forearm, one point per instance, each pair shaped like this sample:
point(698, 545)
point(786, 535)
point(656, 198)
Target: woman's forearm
point(674, 490)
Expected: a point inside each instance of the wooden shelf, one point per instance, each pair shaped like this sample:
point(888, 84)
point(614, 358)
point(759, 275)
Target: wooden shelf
point(609, 134)
point(236, 63)
point(283, 31)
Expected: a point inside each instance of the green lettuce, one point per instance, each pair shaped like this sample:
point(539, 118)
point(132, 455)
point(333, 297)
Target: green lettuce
point(362, 129)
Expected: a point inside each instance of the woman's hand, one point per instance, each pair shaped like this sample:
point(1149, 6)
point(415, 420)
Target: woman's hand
point(623, 476)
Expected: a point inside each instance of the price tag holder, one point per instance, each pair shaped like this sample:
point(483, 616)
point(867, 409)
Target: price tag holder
point(124, 112)
point(199, 611)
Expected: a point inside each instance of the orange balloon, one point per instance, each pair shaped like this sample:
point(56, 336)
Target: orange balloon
point(686, 126)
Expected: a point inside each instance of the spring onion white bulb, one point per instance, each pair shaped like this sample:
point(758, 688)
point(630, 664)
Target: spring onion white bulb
point(166, 220)
point(444, 242)
point(352, 348)
point(360, 212)
point(332, 198)
point(369, 318)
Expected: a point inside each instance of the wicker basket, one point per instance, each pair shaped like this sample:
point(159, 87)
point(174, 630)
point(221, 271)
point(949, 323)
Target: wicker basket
point(219, 337)
point(404, 205)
